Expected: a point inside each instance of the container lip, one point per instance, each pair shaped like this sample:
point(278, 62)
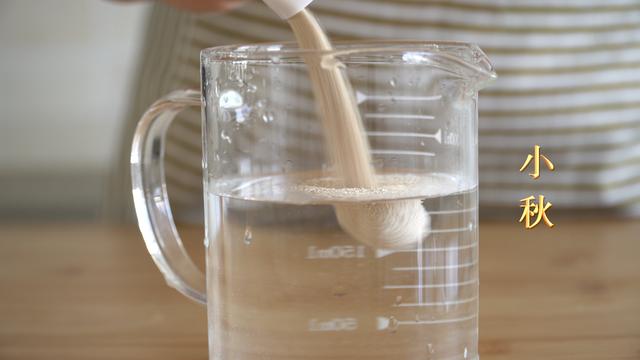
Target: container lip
point(464, 54)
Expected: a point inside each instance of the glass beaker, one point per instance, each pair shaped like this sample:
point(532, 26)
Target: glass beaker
point(283, 279)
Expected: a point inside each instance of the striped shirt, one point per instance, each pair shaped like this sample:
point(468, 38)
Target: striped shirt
point(569, 80)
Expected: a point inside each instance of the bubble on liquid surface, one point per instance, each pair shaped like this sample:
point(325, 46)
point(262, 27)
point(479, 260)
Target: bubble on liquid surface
point(248, 236)
point(393, 82)
point(230, 99)
point(398, 300)
point(390, 186)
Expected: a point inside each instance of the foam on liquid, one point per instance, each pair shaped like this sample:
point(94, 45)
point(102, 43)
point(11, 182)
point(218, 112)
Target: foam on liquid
point(305, 189)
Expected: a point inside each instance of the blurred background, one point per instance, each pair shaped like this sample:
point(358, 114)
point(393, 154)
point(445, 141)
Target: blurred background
point(72, 89)
point(67, 69)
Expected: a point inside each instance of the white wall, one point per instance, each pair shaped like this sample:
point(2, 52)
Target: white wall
point(66, 68)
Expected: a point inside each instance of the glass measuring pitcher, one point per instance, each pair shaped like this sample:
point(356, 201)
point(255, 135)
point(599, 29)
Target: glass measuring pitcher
point(284, 280)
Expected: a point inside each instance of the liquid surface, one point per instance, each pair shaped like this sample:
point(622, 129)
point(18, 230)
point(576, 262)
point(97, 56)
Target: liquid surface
point(286, 282)
point(307, 188)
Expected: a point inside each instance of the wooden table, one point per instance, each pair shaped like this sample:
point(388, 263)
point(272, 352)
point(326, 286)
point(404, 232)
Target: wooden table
point(92, 292)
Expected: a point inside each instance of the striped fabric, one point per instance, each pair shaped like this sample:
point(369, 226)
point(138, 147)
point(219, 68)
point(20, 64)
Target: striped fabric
point(569, 80)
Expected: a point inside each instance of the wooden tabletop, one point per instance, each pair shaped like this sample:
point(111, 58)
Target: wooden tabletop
point(92, 292)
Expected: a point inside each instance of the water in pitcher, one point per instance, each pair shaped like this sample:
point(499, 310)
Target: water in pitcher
point(286, 282)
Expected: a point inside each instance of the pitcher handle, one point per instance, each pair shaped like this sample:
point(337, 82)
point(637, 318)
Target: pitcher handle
point(150, 195)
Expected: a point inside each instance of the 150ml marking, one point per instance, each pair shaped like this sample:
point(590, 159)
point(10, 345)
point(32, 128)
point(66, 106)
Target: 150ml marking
point(337, 324)
point(336, 252)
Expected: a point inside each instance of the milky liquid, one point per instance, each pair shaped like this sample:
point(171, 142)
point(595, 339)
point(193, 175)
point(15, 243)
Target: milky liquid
point(286, 282)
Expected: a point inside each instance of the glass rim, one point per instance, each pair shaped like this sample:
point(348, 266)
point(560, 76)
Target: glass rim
point(467, 55)
point(290, 47)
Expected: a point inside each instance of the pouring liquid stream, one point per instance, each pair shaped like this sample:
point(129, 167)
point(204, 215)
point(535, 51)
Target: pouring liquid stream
point(385, 224)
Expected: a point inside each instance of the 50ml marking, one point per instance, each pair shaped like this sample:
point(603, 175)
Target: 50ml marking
point(336, 252)
point(336, 324)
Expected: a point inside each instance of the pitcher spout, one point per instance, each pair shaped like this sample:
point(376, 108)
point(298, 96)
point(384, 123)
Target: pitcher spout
point(463, 60)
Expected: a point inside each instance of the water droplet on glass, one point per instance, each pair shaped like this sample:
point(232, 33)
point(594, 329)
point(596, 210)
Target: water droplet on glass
point(392, 82)
point(252, 88)
point(230, 99)
point(267, 117)
point(422, 143)
point(466, 352)
point(242, 114)
point(431, 349)
point(275, 59)
point(248, 236)
point(225, 136)
point(393, 324)
point(398, 300)
point(260, 104)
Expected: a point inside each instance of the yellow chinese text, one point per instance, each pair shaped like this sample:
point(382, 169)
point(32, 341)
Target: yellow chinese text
point(533, 213)
point(536, 162)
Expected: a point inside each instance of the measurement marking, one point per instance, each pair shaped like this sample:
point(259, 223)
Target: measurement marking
point(362, 97)
point(384, 322)
point(440, 212)
point(437, 136)
point(441, 303)
point(398, 116)
point(438, 267)
point(402, 152)
point(337, 324)
point(441, 231)
point(430, 286)
point(335, 252)
point(383, 252)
